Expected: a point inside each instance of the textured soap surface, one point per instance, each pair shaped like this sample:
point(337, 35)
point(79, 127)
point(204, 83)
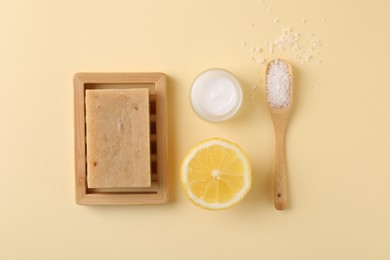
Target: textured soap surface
point(117, 134)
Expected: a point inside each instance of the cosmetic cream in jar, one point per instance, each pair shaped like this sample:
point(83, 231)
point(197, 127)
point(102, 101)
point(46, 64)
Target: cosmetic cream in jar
point(216, 95)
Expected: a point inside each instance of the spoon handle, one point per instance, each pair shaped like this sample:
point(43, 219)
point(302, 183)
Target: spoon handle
point(280, 172)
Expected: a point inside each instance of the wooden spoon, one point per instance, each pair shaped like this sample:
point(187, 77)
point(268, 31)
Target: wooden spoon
point(280, 110)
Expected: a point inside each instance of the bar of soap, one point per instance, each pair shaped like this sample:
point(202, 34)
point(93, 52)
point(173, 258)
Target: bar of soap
point(117, 135)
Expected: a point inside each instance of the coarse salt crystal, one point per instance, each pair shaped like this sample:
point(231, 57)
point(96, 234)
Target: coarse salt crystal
point(260, 60)
point(270, 47)
point(308, 56)
point(278, 84)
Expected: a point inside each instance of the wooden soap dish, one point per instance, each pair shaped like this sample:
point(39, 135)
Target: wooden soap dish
point(157, 193)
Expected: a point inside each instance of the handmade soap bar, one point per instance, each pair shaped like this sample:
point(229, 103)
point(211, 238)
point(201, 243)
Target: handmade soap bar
point(117, 135)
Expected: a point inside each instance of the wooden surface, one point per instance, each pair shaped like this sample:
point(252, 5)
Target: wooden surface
point(158, 192)
point(280, 117)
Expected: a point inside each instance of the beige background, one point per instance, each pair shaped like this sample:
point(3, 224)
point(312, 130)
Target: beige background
point(337, 143)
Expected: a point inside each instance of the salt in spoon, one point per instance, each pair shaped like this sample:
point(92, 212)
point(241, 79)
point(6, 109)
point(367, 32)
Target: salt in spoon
point(279, 87)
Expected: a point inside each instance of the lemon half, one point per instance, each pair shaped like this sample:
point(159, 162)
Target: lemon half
point(216, 174)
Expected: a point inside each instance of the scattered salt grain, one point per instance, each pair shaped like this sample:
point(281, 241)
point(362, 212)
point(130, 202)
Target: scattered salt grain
point(260, 60)
point(303, 46)
point(315, 43)
point(270, 47)
point(243, 44)
point(278, 84)
point(307, 57)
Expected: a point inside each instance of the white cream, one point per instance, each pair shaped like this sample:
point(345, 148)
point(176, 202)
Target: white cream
point(216, 95)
